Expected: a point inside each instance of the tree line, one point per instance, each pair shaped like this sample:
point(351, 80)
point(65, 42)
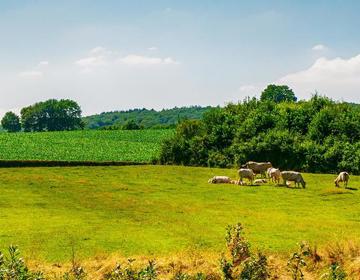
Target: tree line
point(318, 135)
point(50, 115)
point(143, 118)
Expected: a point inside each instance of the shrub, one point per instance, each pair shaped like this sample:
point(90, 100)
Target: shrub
point(13, 267)
point(129, 273)
point(297, 262)
point(336, 272)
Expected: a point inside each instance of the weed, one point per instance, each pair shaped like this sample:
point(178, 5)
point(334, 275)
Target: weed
point(12, 267)
point(297, 262)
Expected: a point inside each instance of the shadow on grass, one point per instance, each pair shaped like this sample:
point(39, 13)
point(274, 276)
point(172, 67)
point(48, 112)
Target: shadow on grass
point(289, 187)
point(350, 188)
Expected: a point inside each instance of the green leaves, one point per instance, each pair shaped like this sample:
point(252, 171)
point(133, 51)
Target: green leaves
point(11, 122)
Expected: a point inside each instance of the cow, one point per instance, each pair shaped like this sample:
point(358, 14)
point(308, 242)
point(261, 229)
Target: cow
point(274, 174)
point(246, 173)
point(292, 176)
point(219, 180)
point(260, 181)
point(342, 177)
point(258, 167)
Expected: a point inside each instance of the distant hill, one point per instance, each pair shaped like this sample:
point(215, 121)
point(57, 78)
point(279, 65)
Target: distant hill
point(144, 117)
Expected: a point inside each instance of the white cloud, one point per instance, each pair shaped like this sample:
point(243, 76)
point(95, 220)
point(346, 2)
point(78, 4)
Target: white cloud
point(319, 47)
point(133, 59)
point(100, 56)
point(337, 78)
point(92, 61)
point(43, 63)
point(152, 49)
point(31, 74)
point(98, 50)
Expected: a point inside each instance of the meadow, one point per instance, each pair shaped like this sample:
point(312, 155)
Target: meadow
point(164, 210)
point(87, 145)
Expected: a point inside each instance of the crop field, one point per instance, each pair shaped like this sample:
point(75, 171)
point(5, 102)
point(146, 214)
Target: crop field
point(164, 210)
point(87, 145)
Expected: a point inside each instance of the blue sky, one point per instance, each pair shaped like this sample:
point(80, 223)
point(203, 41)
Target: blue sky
point(113, 55)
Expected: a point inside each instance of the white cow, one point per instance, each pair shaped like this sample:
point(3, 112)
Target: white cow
point(292, 176)
point(260, 181)
point(258, 167)
point(219, 180)
point(246, 173)
point(274, 174)
point(343, 177)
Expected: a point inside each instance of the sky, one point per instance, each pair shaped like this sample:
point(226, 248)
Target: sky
point(117, 55)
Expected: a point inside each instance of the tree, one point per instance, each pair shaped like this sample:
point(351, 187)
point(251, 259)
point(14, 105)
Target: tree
point(278, 94)
point(11, 122)
point(52, 115)
point(131, 125)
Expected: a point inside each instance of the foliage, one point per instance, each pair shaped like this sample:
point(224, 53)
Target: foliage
point(11, 122)
point(131, 125)
point(166, 118)
point(242, 264)
point(122, 145)
point(76, 273)
point(318, 135)
point(52, 115)
point(297, 262)
point(255, 268)
point(12, 267)
point(336, 272)
point(278, 94)
point(237, 246)
point(130, 273)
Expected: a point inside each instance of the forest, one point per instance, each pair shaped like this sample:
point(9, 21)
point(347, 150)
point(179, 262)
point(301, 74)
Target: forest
point(143, 118)
point(318, 135)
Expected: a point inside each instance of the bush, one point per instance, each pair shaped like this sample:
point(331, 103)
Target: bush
point(129, 273)
point(318, 135)
point(13, 267)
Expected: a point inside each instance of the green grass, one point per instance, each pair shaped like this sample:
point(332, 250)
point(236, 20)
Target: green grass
point(88, 145)
point(161, 210)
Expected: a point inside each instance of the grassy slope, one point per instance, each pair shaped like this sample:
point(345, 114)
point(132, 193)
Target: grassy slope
point(140, 145)
point(159, 210)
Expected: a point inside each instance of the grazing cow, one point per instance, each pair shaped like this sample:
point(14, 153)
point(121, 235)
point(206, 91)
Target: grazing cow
point(274, 174)
point(258, 167)
point(246, 173)
point(343, 177)
point(219, 180)
point(292, 176)
point(260, 181)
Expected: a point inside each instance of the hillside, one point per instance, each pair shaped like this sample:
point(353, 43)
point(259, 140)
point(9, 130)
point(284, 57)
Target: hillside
point(144, 117)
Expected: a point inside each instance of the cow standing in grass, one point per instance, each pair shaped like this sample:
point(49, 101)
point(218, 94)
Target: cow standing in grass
point(274, 174)
point(258, 167)
point(343, 177)
point(292, 176)
point(246, 173)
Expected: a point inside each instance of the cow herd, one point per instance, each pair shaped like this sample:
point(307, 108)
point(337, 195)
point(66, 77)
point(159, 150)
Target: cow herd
point(267, 172)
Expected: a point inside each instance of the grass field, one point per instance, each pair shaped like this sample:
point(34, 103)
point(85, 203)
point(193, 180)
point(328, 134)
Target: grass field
point(162, 210)
point(88, 145)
